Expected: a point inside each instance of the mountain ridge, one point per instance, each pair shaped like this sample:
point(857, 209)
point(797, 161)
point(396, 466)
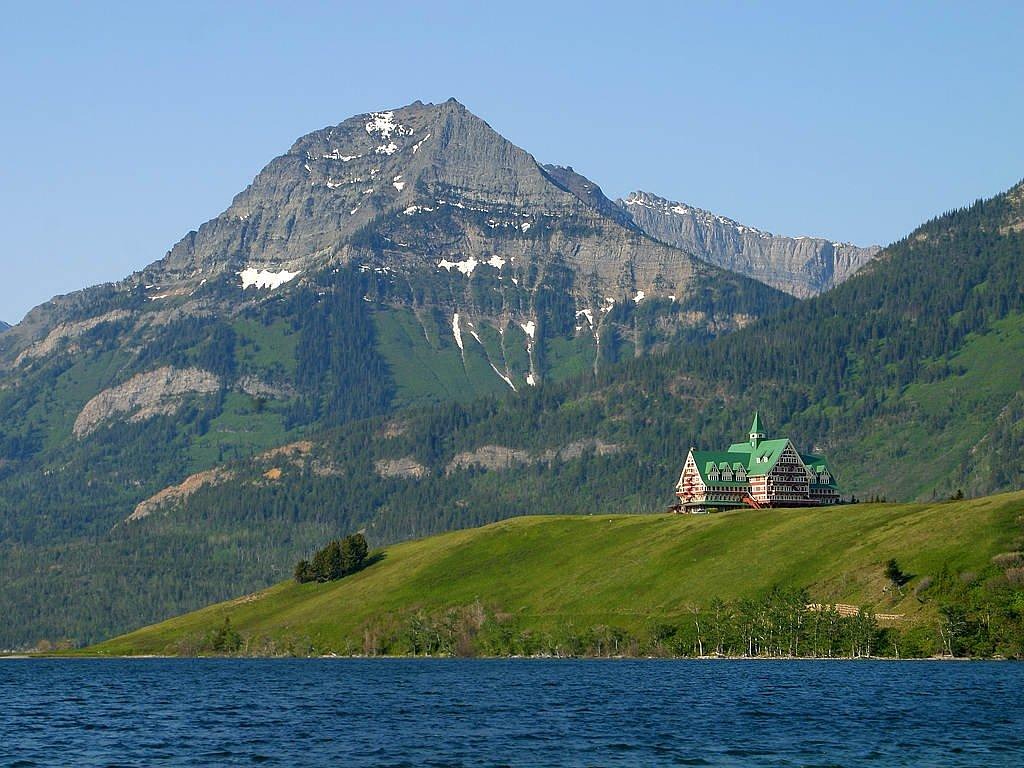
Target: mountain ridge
point(802, 266)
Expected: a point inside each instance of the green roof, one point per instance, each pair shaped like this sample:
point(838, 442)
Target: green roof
point(755, 428)
point(755, 461)
point(819, 464)
point(706, 460)
point(760, 460)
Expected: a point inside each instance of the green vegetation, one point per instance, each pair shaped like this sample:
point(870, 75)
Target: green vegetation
point(425, 361)
point(338, 559)
point(618, 584)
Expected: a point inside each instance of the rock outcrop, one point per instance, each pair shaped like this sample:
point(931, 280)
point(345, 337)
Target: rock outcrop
point(145, 395)
point(177, 493)
point(800, 266)
point(65, 334)
point(406, 467)
point(500, 457)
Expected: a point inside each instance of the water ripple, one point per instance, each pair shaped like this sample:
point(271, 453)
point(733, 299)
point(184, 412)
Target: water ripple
point(509, 713)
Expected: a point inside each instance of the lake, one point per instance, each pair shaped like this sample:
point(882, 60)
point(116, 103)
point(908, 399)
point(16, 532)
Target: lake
point(143, 712)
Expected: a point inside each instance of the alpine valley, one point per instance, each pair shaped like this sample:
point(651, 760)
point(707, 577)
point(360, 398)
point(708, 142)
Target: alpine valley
point(408, 325)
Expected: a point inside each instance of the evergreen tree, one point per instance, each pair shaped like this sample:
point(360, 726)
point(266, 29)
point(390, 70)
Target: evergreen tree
point(353, 553)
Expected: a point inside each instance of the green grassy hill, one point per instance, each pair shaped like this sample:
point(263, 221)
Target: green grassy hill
point(543, 584)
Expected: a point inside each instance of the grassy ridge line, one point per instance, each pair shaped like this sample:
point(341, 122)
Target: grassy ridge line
point(621, 570)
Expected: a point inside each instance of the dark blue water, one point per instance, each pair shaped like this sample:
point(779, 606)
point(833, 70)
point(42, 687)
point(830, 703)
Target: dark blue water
point(524, 713)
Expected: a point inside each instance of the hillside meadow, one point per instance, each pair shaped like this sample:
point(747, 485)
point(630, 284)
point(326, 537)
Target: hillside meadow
point(545, 583)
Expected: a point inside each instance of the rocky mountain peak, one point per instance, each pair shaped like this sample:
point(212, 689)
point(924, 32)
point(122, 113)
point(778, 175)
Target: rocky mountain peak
point(454, 219)
point(300, 210)
point(801, 266)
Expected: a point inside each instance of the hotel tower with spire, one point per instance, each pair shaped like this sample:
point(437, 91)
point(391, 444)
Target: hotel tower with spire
point(758, 473)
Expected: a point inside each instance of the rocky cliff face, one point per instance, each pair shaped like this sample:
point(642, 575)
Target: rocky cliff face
point(800, 266)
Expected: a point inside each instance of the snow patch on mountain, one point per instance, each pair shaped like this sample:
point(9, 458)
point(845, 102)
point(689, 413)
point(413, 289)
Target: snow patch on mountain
point(418, 144)
point(504, 378)
point(264, 278)
point(465, 267)
point(457, 331)
point(335, 154)
point(384, 124)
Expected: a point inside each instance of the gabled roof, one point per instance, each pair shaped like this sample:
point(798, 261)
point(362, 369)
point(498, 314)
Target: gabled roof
point(760, 460)
point(708, 460)
point(756, 461)
point(818, 464)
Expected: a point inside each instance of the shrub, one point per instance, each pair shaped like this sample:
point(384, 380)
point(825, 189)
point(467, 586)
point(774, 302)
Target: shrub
point(894, 574)
point(1008, 560)
point(225, 639)
point(923, 585)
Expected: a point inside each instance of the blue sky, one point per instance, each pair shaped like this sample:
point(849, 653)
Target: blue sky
point(124, 126)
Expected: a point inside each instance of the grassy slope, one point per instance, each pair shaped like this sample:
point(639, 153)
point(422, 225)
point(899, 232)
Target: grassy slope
point(620, 570)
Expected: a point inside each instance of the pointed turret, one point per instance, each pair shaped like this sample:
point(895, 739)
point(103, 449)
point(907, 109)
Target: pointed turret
point(756, 435)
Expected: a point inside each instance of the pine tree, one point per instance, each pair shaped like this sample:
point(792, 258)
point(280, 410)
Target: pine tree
point(353, 553)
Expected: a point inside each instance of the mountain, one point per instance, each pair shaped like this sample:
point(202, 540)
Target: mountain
point(801, 266)
point(632, 584)
point(4, 326)
point(459, 232)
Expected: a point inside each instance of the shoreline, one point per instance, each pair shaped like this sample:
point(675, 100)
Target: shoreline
point(336, 657)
